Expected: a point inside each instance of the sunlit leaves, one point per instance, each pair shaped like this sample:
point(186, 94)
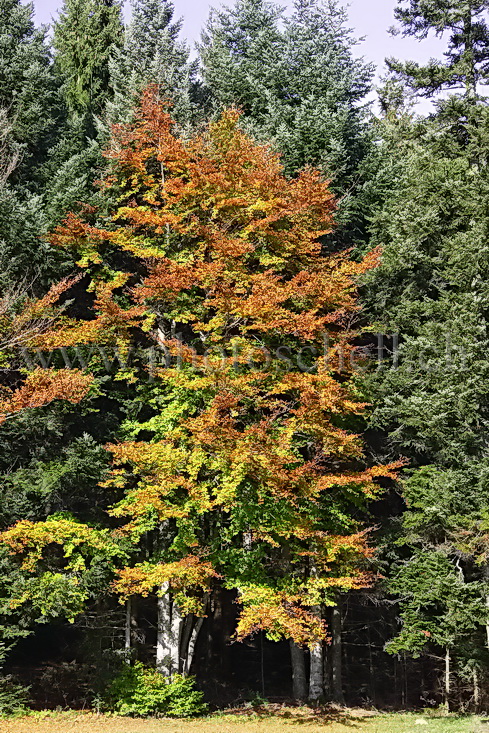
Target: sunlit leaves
point(244, 471)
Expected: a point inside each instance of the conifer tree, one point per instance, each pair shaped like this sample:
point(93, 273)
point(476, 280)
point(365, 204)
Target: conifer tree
point(322, 122)
point(431, 292)
point(84, 36)
point(466, 64)
point(151, 53)
point(243, 57)
point(28, 89)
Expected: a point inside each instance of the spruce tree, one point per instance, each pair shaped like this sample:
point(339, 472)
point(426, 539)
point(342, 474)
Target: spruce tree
point(322, 122)
point(466, 64)
point(431, 399)
point(243, 55)
point(152, 53)
point(73, 164)
point(85, 34)
point(29, 97)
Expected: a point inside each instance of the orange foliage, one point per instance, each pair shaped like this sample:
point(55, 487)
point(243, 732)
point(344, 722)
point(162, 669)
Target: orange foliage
point(43, 386)
point(251, 453)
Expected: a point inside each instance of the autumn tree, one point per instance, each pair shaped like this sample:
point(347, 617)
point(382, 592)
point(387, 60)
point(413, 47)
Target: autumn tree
point(246, 473)
point(24, 322)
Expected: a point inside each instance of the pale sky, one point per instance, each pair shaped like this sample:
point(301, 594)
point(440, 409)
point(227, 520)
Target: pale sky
point(368, 18)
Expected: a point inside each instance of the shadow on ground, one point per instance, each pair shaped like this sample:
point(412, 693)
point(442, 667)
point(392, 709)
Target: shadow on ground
point(301, 715)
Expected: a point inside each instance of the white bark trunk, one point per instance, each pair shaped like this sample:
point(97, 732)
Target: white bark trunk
point(168, 634)
point(316, 674)
point(447, 680)
point(127, 644)
point(189, 657)
point(316, 671)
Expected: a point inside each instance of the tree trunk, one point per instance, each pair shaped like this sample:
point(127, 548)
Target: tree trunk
point(337, 654)
point(189, 657)
point(127, 644)
point(316, 674)
point(299, 680)
point(191, 627)
point(477, 690)
point(469, 57)
point(371, 669)
point(486, 578)
point(447, 680)
point(168, 634)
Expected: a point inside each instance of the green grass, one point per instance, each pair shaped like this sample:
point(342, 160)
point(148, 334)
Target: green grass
point(278, 720)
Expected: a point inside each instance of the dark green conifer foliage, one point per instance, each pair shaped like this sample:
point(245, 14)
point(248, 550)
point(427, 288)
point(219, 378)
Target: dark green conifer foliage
point(152, 53)
point(431, 399)
point(243, 57)
point(466, 63)
point(296, 79)
point(28, 89)
point(74, 163)
point(85, 34)
point(25, 259)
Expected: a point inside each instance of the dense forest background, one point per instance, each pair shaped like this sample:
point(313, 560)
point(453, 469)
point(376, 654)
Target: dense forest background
point(244, 359)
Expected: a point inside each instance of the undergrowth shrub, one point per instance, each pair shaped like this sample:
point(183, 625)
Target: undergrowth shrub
point(141, 691)
point(13, 697)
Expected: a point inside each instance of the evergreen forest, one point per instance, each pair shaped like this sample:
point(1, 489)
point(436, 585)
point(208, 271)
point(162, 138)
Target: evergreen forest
point(244, 363)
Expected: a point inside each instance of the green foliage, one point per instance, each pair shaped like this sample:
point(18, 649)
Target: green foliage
point(437, 605)
point(430, 398)
point(85, 35)
point(140, 691)
point(28, 88)
point(295, 78)
point(68, 483)
point(14, 698)
point(26, 259)
point(421, 194)
point(465, 65)
point(71, 168)
point(431, 289)
point(152, 54)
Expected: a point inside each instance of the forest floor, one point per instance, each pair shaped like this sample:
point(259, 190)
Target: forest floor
point(250, 721)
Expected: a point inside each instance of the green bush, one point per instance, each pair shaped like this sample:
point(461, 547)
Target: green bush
point(140, 691)
point(13, 697)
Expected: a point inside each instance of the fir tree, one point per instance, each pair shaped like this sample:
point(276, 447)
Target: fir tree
point(299, 85)
point(431, 291)
point(323, 120)
point(243, 55)
point(431, 400)
point(466, 64)
point(73, 165)
point(152, 53)
point(84, 36)
point(28, 89)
